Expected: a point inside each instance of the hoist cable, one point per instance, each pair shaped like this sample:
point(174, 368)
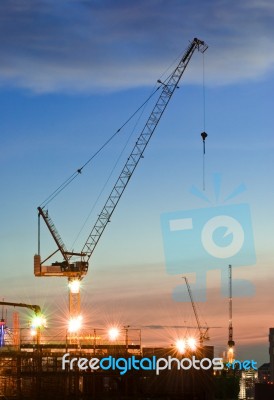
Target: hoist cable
point(204, 135)
point(79, 170)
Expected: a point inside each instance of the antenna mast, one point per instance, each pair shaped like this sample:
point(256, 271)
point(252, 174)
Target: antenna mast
point(230, 342)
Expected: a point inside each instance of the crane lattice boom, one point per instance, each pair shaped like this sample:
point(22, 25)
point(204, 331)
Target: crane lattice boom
point(139, 148)
point(202, 332)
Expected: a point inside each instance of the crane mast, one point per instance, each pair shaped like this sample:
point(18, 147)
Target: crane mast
point(75, 271)
point(202, 332)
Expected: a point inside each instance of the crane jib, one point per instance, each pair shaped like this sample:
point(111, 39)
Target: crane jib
point(168, 89)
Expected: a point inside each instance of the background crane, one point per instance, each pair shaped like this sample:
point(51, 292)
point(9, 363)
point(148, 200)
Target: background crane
point(231, 343)
point(37, 322)
point(76, 270)
point(203, 332)
point(33, 307)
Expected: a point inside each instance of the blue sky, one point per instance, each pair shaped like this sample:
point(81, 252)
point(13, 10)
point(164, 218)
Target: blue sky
point(71, 73)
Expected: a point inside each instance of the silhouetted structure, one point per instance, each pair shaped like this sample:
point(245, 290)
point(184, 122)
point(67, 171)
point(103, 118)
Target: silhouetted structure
point(264, 373)
point(264, 391)
point(271, 353)
point(38, 374)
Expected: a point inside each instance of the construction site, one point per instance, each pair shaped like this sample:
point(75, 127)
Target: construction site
point(35, 370)
point(32, 362)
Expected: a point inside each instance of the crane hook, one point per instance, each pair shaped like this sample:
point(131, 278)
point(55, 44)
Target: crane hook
point(204, 136)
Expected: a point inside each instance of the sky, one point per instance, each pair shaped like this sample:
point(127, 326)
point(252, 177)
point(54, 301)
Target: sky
point(71, 74)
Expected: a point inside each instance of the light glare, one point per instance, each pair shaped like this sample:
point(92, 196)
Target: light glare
point(75, 324)
point(113, 333)
point(230, 354)
point(33, 332)
point(74, 286)
point(181, 346)
point(38, 321)
point(192, 344)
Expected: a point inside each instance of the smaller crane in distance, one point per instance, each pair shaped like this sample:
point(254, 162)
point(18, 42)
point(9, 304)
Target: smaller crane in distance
point(203, 336)
point(33, 307)
point(38, 321)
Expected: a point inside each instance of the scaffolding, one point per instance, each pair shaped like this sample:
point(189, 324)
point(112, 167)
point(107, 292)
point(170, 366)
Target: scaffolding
point(39, 374)
point(32, 369)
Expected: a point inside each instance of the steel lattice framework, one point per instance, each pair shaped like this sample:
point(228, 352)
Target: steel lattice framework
point(139, 148)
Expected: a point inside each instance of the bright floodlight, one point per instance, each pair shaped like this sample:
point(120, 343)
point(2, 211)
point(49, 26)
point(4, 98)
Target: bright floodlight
point(38, 321)
point(230, 354)
point(74, 286)
point(113, 333)
point(192, 344)
point(181, 346)
point(75, 324)
point(33, 332)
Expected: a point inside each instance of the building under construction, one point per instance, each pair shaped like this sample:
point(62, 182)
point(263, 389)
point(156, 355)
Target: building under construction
point(34, 370)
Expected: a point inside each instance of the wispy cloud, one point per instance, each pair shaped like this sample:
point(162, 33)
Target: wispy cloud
point(91, 45)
